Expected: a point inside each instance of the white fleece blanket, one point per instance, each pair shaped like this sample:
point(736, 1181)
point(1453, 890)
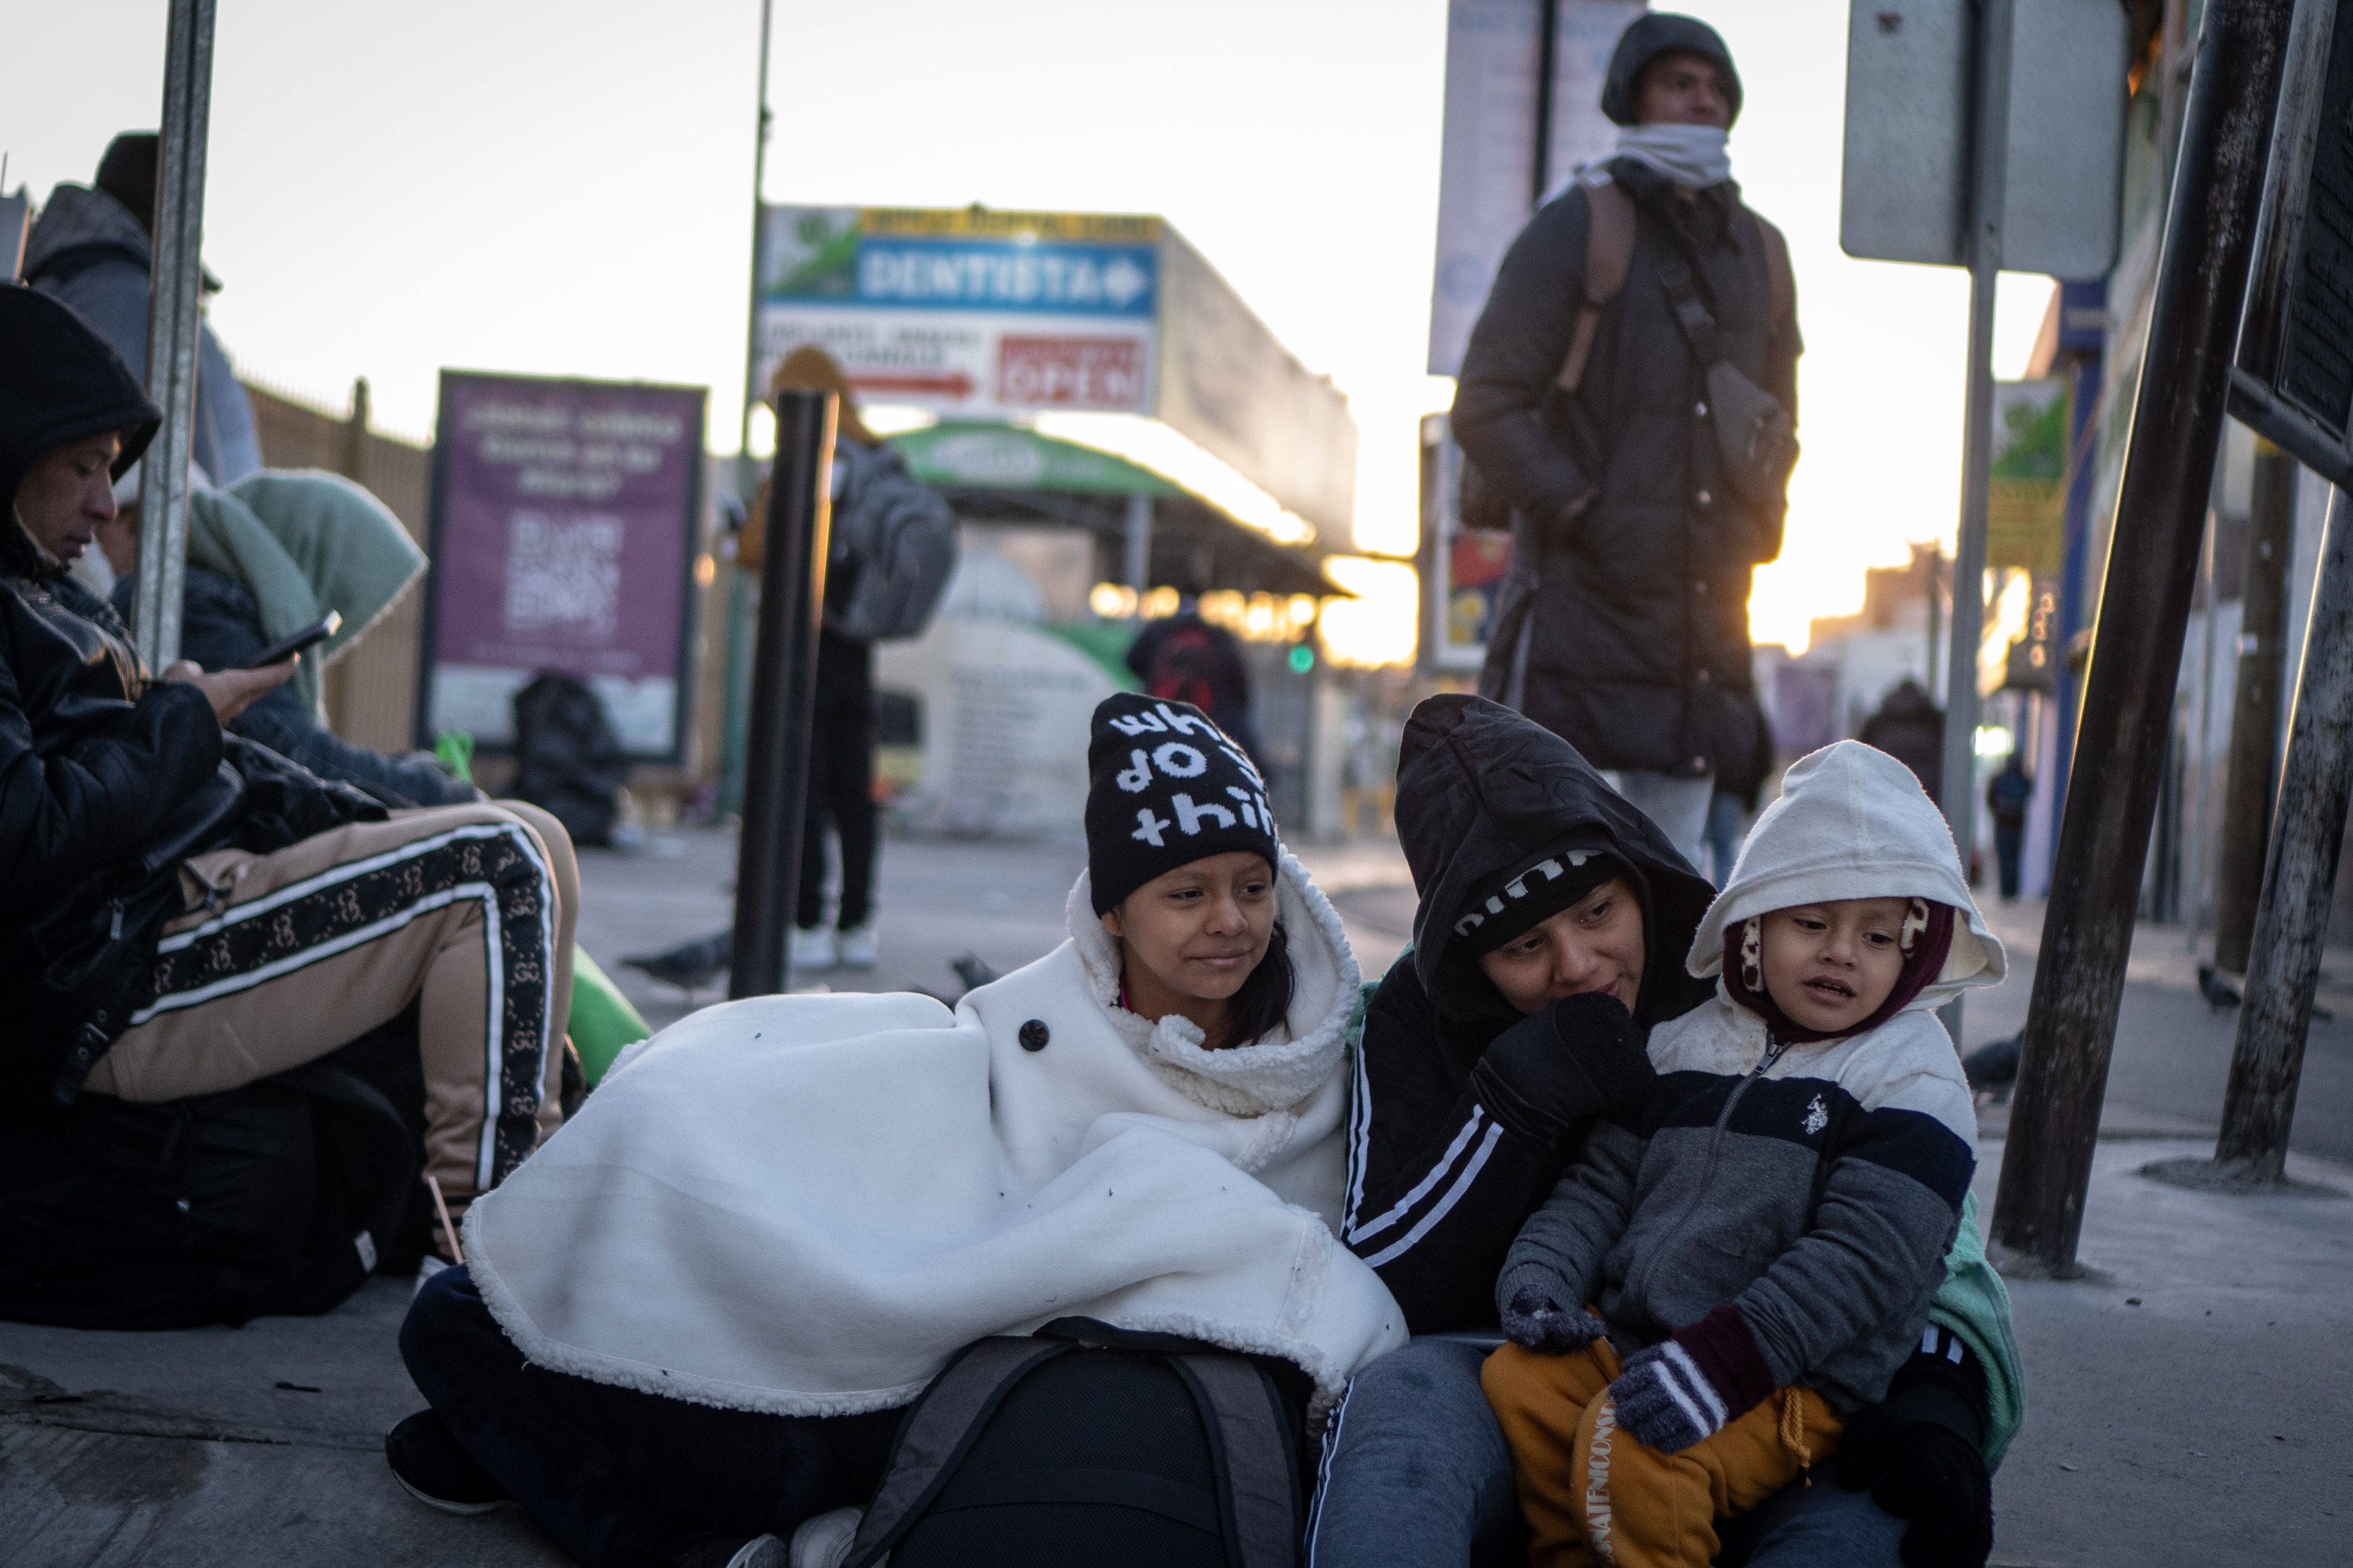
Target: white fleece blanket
point(804, 1205)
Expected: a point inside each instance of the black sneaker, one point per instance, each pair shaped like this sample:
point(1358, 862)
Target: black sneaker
point(434, 1468)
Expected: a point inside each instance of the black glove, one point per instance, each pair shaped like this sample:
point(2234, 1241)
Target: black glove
point(1535, 1322)
point(1555, 1070)
point(1926, 1473)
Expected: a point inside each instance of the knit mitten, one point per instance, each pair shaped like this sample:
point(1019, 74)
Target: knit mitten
point(1687, 1387)
point(1928, 1475)
point(1535, 1322)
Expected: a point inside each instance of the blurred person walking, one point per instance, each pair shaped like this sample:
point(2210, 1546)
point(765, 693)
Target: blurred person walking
point(1909, 726)
point(2007, 795)
point(889, 555)
point(1629, 392)
point(92, 248)
point(1187, 659)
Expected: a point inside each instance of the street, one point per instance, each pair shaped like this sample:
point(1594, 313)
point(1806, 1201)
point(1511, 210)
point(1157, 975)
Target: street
point(2196, 1378)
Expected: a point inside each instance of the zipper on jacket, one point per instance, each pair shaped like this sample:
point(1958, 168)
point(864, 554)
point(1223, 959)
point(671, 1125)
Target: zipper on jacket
point(1773, 1051)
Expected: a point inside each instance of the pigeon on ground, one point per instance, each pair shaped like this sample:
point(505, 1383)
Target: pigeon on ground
point(1994, 1068)
point(2219, 992)
point(973, 971)
point(691, 965)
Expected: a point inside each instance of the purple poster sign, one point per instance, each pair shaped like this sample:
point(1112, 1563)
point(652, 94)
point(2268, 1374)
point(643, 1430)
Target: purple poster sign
point(563, 538)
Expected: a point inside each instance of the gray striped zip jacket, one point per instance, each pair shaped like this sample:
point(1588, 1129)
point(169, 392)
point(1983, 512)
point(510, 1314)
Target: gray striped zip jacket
point(1817, 1187)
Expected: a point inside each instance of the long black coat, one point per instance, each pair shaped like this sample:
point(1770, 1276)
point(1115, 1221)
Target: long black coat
point(1637, 608)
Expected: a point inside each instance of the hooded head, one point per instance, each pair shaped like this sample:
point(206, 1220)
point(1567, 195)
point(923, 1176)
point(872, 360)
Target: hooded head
point(61, 381)
point(1504, 825)
point(1853, 823)
point(1649, 36)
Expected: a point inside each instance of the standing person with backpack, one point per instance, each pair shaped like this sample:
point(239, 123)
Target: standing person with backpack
point(1627, 401)
point(892, 550)
point(1186, 659)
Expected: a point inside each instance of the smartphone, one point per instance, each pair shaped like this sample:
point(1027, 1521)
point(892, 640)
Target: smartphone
point(317, 632)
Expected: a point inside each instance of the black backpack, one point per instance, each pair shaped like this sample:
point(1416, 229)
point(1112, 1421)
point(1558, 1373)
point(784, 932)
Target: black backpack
point(278, 1197)
point(572, 764)
point(1084, 1445)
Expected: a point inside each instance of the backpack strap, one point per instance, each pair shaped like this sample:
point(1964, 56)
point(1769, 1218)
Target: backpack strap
point(1256, 1477)
point(943, 1423)
point(1609, 252)
point(1691, 312)
point(1780, 285)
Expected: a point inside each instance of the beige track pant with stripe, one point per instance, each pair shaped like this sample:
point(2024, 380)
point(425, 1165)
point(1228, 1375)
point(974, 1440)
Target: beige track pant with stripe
point(468, 910)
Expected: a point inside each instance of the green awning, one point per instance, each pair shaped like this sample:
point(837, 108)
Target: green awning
point(973, 455)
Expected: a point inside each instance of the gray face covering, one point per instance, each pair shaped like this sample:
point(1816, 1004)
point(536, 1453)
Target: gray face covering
point(1693, 156)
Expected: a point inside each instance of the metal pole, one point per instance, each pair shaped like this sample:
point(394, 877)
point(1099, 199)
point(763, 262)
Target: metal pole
point(172, 322)
point(1989, 161)
point(1548, 54)
point(1139, 546)
point(784, 693)
point(759, 230)
point(2253, 764)
point(2201, 279)
point(2193, 873)
point(2300, 877)
point(735, 693)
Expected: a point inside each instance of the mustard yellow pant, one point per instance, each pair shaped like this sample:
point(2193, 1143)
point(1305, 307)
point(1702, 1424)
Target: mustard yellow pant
point(1592, 1494)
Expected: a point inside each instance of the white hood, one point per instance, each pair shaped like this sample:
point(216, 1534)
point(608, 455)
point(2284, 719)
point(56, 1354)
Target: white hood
point(804, 1205)
point(1853, 823)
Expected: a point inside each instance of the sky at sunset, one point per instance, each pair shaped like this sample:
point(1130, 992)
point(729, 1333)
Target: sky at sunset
point(564, 189)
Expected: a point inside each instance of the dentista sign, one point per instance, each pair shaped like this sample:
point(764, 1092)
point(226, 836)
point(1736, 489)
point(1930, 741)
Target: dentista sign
point(968, 310)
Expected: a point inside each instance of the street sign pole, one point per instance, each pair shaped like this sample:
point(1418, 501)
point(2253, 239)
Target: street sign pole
point(1989, 167)
point(2143, 616)
point(175, 276)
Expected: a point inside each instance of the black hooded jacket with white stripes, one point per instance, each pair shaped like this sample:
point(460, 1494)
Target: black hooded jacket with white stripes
point(1466, 1113)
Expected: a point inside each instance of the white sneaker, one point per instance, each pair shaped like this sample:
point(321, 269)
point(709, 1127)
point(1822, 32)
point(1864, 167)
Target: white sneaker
point(824, 1541)
point(857, 950)
point(813, 949)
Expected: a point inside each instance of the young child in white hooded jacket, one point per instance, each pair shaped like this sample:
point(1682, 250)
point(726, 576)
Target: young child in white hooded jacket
point(1761, 1244)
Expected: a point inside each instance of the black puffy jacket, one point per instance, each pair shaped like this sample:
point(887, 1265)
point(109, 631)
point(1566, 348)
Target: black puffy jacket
point(1636, 608)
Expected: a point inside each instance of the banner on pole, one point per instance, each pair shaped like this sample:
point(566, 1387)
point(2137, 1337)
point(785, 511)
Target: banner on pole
point(565, 533)
point(2025, 504)
point(1487, 158)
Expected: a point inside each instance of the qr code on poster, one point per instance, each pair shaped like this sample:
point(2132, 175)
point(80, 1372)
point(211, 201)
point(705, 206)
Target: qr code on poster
point(564, 574)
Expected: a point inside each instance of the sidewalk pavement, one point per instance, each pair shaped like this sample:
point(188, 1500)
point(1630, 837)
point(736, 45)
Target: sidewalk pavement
point(2187, 1402)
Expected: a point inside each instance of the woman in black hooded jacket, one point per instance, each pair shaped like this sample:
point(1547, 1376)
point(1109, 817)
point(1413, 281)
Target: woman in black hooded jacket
point(1472, 1099)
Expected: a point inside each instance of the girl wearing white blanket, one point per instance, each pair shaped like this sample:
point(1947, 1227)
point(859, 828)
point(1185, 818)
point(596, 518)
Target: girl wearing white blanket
point(688, 1323)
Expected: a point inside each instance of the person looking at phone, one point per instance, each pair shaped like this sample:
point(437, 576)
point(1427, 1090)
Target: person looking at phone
point(1588, 404)
point(183, 913)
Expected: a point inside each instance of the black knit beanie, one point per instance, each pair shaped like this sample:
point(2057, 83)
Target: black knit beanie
point(1166, 787)
point(1508, 907)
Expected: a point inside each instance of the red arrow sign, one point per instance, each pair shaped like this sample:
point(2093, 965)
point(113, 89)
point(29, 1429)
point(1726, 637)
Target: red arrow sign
point(953, 384)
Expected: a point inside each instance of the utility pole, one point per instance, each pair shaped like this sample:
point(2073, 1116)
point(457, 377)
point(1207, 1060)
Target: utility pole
point(735, 691)
point(1957, 783)
point(2144, 613)
point(173, 318)
point(2253, 758)
point(2299, 878)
